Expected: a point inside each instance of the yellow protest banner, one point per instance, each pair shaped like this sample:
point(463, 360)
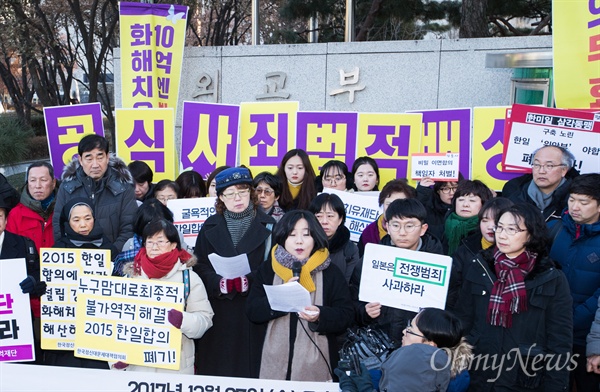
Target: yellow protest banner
point(488, 141)
point(148, 135)
point(62, 269)
point(576, 57)
point(152, 39)
point(124, 319)
point(390, 139)
point(267, 132)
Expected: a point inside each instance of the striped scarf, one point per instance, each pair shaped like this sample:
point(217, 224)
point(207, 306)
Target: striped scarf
point(238, 223)
point(508, 294)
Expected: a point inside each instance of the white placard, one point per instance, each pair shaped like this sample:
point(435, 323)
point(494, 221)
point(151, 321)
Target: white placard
point(190, 214)
point(27, 378)
point(16, 330)
point(404, 279)
point(533, 127)
point(288, 297)
point(440, 167)
point(230, 267)
point(361, 210)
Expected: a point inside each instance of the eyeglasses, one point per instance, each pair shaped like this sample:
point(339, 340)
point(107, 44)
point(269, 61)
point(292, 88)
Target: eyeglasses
point(337, 178)
point(409, 331)
point(447, 190)
point(241, 194)
point(409, 227)
point(547, 167)
point(159, 244)
point(507, 230)
point(266, 191)
point(166, 198)
point(328, 217)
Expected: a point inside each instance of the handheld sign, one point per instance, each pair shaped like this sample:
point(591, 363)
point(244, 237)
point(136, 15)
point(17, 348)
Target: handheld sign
point(16, 330)
point(404, 279)
point(62, 269)
point(440, 167)
point(361, 210)
point(124, 319)
point(533, 127)
point(190, 214)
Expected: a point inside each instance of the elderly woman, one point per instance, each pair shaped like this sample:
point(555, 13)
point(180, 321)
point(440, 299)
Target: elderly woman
point(331, 214)
point(268, 188)
point(161, 258)
point(233, 346)
point(301, 346)
point(79, 230)
point(515, 305)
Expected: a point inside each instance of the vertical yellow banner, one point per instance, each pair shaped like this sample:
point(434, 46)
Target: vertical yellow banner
point(267, 132)
point(148, 135)
point(576, 59)
point(390, 139)
point(152, 39)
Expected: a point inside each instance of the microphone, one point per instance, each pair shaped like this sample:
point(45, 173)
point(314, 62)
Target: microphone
point(296, 269)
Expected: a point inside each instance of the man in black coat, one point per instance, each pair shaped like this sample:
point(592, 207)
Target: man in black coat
point(547, 187)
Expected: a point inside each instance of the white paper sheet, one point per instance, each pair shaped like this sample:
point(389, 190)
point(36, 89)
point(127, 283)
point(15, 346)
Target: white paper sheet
point(230, 267)
point(288, 297)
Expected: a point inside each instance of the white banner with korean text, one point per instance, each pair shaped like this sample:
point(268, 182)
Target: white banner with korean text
point(404, 279)
point(61, 269)
point(190, 214)
point(440, 167)
point(18, 378)
point(16, 330)
point(361, 210)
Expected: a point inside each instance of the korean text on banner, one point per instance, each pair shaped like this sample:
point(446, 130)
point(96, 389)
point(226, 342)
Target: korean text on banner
point(488, 141)
point(404, 279)
point(152, 40)
point(576, 44)
point(65, 126)
point(361, 210)
point(123, 319)
point(447, 130)
point(18, 377)
point(440, 167)
point(389, 138)
point(16, 330)
point(326, 136)
point(62, 270)
point(534, 127)
point(190, 214)
point(267, 132)
point(209, 136)
point(148, 135)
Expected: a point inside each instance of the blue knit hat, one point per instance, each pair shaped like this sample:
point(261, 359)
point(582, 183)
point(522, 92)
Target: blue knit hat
point(232, 176)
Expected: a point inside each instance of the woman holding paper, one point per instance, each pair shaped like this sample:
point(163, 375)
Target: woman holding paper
point(162, 258)
point(301, 346)
point(515, 305)
point(232, 347)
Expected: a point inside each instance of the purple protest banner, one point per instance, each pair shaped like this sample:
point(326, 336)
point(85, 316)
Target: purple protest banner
point(448, 130)
point(209, 136)
point(65, 126)
point(327, 135)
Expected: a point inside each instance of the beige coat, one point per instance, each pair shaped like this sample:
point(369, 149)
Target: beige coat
point(197, 318)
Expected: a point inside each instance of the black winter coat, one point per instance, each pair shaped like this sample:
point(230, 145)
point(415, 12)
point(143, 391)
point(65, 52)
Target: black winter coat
point(437, 210)
point(461, 260)
point(113, 197)
point(545, 328)
point(335, 315)
point(516, 191)
point(233, 346)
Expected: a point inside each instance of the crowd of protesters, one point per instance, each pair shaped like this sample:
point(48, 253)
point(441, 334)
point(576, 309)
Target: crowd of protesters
point(525, 276)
